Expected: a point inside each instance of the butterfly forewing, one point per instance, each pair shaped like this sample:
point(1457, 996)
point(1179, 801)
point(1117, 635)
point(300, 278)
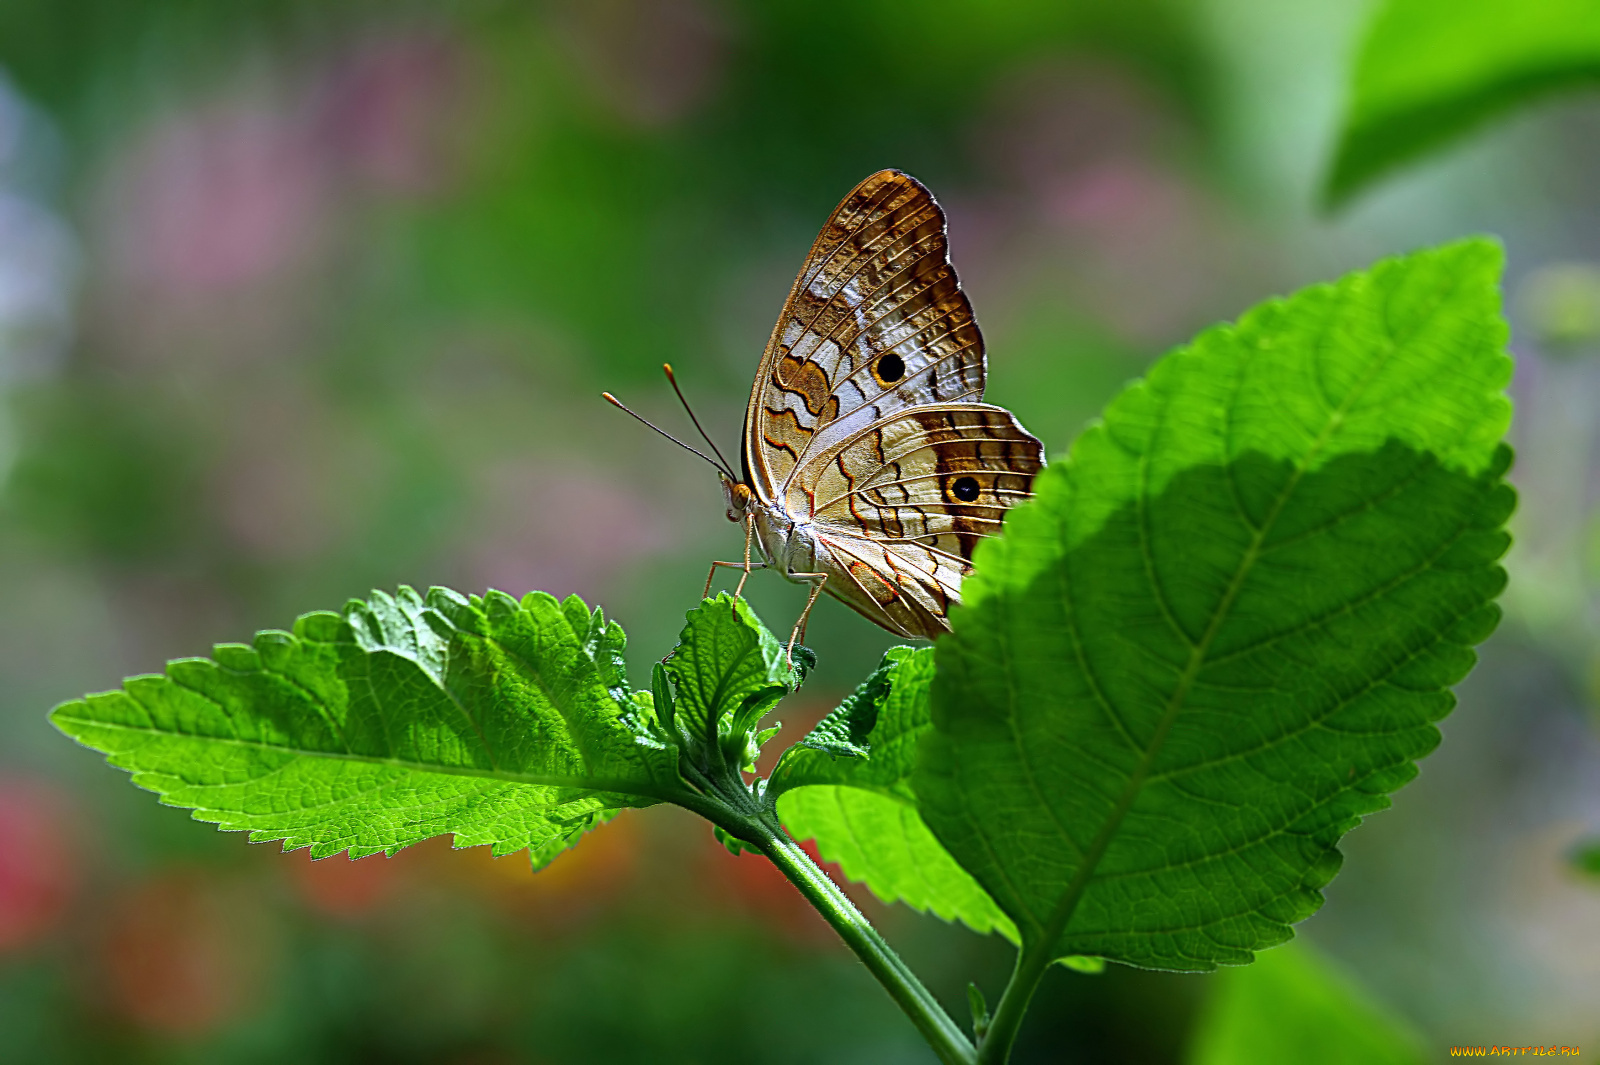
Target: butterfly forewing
point(875, 323)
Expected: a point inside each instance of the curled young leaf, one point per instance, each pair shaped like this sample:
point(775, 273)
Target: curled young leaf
point(727, 673)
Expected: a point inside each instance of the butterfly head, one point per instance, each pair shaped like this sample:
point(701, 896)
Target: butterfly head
point(738, 497)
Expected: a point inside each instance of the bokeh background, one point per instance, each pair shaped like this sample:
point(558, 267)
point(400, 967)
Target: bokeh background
point(299, 299)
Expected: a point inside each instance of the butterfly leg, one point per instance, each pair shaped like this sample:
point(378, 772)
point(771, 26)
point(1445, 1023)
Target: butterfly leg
point(749, 534)
point(816, 580)
point(747, 566)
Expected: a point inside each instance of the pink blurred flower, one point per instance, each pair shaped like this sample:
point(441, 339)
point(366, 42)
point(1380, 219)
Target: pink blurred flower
point(548, 526)
point(219, 221)
point(651, 61)
point(292, 477)
point(390, 108)
point(216, 198)
point(1091, 152)
point(1148, 235)
point(38, 862)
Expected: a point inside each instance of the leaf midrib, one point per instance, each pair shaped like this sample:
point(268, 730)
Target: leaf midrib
point(1056, 924)
point(1057, 921)
point(599, 784)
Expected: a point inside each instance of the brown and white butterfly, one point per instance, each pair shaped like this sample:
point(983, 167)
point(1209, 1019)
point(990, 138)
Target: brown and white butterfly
point(870, 466)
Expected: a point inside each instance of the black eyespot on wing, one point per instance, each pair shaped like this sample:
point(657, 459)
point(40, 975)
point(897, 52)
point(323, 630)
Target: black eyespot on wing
point(890, 369)
point(965, 489)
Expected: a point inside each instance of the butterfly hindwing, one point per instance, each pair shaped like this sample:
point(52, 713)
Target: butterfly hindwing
point(943, 474)
point(876, 323)
point(902, 504)
point(906, 588)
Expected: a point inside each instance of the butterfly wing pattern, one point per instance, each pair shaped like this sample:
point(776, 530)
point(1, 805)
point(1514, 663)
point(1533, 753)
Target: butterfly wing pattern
point(868, 452)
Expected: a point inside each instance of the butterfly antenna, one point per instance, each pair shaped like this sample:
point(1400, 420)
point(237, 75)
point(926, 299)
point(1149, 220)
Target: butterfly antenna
point(615, 402)
point(667, 366)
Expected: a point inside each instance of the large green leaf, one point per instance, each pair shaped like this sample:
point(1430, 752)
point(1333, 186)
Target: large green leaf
point(1430, 70)
point(1291, 1005)
point(1223, 631)
point(860, 808)
point(400, 719)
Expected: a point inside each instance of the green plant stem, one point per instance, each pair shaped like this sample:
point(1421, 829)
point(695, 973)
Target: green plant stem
point(943, 1034)
point(995, 1049)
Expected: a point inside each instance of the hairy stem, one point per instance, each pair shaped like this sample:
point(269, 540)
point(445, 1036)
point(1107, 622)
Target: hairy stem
point(943, 1034)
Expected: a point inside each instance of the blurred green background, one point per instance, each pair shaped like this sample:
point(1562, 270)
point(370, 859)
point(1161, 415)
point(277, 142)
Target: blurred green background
point(298, 299)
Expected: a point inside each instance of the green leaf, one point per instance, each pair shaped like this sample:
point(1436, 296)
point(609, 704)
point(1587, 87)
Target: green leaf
point(602, 641)
point(862, 811)
point(402, 718)
point(894, 699)
point(1080, 963)
point(1586, 858)
point(735, 846)
point(727, 672)
point(661, 698)
point(884, 843)
point(1222, 632)
point(845, 730)
point(1431, 70)
point(979, 1008)
point(1292, 1005)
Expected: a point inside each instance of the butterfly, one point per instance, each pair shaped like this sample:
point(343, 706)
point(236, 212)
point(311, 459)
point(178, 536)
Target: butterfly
point(870, 468)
